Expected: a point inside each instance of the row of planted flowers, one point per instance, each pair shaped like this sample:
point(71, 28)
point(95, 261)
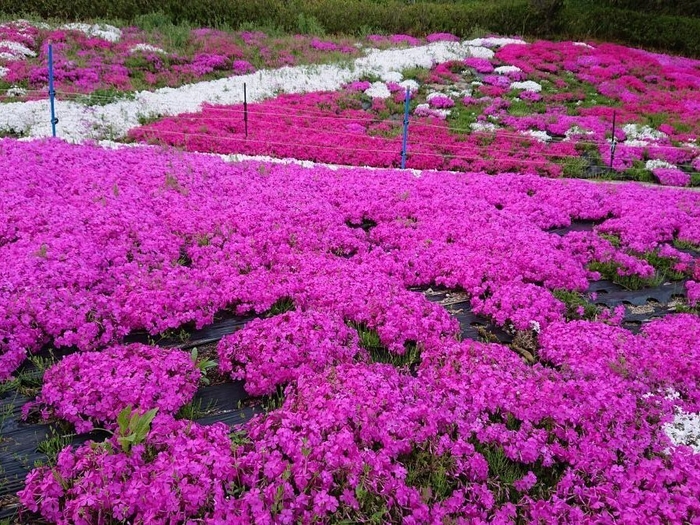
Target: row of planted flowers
point(473, 435)
point(546, 108)
point(99, 243)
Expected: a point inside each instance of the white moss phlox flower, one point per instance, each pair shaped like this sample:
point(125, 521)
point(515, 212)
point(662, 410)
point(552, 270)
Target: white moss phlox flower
point(635, 132)
point(504, 70)
point(494, 42)
point(410, 84)
point(483, 126)
point(654, 164)
point(14, 50)
point(685, 429)
point(146, 48)
point(391, 76)
point(542, 136)
point(528, 85)
point(378, 90)
point(103, 31)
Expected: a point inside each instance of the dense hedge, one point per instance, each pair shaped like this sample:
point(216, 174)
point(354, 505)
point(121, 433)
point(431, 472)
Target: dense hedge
point(662, 32)
point(599, 19)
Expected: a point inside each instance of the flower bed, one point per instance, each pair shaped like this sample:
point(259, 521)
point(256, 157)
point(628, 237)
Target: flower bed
point(104, 61)
point(566, 424)
point(543, 108)
point(145, 239)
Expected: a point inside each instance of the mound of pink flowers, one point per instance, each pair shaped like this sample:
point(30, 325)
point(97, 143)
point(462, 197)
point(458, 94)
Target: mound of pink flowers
point(477, 435)
point(98, 243)
point(92, 388)
point(101, 243)
point(268, 353)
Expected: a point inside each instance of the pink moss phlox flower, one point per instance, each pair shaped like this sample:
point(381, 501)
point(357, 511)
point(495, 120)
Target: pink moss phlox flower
point(91, 388)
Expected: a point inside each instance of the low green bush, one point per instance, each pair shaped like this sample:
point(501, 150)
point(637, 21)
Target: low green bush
point(606, 20)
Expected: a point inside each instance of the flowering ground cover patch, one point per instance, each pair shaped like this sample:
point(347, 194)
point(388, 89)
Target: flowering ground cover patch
point(545, 108)
point(105, 62)
point(381, 413)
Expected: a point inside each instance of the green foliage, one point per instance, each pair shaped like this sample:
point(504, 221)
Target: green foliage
point(133, 427)
point(194, 410)
point(461, 118)
point(275, 400)
point(203, 365)
point(686, 245)
point(664, 266)
point(28, 380)
point(504, 472)
point(609, 270)
point(370, 341)
point(639, 172)
point(574, 301)
point(431, 473)
point(309, 25)
point(574, 167)
point(102, 97)
point(54, 443)
point(522, 108)
point(601, 20)
point(281, 305)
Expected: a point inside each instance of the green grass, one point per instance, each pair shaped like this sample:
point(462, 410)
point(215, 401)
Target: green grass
point(461, 117)
point(573, 167)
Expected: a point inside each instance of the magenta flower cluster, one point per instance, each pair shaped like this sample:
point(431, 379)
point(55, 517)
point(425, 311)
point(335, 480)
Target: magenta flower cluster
point(476, 436)
point(270, 353)
point(89, 389)
point(94, 253)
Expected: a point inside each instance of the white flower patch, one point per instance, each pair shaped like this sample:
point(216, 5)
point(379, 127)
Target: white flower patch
point(378, 90)
point(391, 76)
point(542, 136)
point(656, 164)
point(636, 143)
point(146, 48)
point(410, 84)
point(103, 31)
point(10, 50)
point(494, 42)
point(684, 430)
point(483, 126)
point(635, 132)
point(3, 71)
point(528, 85)
point(583, 44)
point(16, 91)
point(504, 70)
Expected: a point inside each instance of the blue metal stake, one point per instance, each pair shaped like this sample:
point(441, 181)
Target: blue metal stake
point(405, 128)
point(52, 93)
